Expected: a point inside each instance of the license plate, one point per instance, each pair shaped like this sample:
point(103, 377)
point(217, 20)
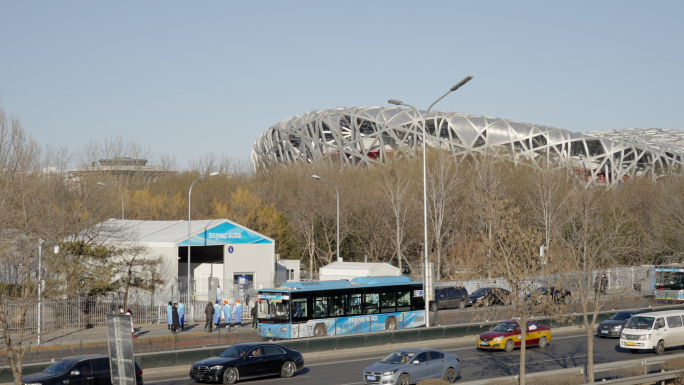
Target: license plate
point(371, 378)
point(629, 343)
point(604, 331)
point(484, 343)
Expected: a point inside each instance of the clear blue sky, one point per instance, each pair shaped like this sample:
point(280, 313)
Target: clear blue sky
point(190, 78)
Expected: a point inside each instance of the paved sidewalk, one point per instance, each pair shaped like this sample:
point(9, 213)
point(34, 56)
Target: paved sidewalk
point(99, 334)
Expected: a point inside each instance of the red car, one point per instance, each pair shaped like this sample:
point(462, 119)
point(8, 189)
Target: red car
point(506, 336)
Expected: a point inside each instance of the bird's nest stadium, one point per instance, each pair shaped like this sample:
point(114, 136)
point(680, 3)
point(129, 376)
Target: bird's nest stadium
point(364, 136)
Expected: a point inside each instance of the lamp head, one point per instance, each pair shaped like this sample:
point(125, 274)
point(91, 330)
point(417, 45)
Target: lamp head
point(214, 173)
point(100, 184)
point(315, 176)
point(395, 102)
point(461, 83)
point(56, 250)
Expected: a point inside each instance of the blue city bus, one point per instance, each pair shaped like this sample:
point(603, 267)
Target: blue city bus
point(669, 282)
point(331, 308)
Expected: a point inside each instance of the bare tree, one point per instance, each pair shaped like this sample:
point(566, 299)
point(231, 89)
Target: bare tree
point(487, 191)
point(600, 234)
point(513, 249)
point(444, 182)
point(398, 190)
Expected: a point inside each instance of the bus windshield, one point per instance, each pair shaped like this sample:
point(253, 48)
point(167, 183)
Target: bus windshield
point(275, 308)
point(669, 280)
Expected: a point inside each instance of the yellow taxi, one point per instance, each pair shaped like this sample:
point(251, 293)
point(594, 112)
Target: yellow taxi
point(506, 336)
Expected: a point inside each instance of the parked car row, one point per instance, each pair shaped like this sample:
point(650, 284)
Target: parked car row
point(457, 297)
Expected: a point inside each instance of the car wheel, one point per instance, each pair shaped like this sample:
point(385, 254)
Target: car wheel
point(289, 369)
point(567, 300)
point(391, 324)
point(543, 342)
point(230, 376)
point(404, 379)
point(509, 346)
point(485, 302)
point(433, 306)
point(319, 331)
point(660, 348)
point(450, 375)
point(461, 305)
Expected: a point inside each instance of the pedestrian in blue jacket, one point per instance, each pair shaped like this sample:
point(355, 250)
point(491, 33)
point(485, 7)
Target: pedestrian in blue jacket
point(181, 314)
point(169, 315)
point(227, 314)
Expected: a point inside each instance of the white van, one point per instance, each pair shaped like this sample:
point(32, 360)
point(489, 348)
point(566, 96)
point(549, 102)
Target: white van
point(657, 331)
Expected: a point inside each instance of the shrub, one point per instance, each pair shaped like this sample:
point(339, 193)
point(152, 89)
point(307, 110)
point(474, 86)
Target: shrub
point(629, 371)
point(673, 364)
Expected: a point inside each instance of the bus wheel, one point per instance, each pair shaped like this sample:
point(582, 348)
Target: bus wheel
point(319, 331)
point(391, 324)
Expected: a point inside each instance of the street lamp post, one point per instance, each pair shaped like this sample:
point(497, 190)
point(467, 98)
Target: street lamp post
point(339, 257)
point(122, 197)
point(42, 243)
point(423, 118)
point(189, 229)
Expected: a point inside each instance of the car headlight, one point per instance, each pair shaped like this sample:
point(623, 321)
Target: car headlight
point(645, 337)
point(497, 339)
point(619, 327)
point(217, 367)
point(389, 372)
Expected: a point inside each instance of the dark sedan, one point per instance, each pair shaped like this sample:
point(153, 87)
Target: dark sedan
point(612, 327)
point(486, 296)
point(78, 370)
point(248, 360)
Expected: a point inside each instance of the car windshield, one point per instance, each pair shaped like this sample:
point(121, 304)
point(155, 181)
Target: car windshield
point(398, 357)
point(60, 367)
point(504, 327)
point(637, 322)
point(481, 291)
point(235, 351)
point(621, 316)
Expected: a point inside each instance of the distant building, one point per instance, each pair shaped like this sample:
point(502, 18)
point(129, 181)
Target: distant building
point(122, 167)
point(349, 270)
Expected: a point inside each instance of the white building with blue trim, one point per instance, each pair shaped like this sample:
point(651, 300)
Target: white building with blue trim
point(223, 254)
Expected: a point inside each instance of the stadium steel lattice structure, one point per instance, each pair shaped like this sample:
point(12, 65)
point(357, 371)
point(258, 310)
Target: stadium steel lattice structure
point(365, 136)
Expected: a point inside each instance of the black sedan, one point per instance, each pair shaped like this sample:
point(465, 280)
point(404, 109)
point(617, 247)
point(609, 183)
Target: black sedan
point(248, 360)
point(486, 296)
point(91, 369)
point(612, 327)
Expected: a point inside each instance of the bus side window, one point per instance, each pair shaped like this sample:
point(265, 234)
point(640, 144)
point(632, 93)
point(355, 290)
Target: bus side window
point(353, 304)
point(337, 306)
point(299, 308)
point(371, 303)
point(320, 307)
point(403, 300)
point(389, 304)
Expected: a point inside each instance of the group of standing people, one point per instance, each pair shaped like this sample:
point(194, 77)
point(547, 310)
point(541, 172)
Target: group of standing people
point(213, 313)
point(600, 284)
point(175, 316)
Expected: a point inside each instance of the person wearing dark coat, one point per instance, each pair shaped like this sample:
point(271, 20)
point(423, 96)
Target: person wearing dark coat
point(209, 313)
point(255, 319)
point(175, 318)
